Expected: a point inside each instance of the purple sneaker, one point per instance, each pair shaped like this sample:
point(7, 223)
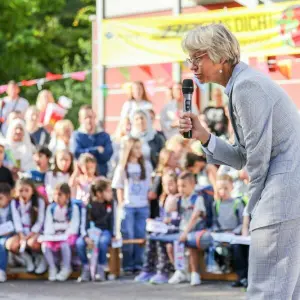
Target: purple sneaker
point(143, 277)
point(159, 278)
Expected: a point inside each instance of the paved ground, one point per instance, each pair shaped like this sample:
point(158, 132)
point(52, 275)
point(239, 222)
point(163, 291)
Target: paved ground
point(117, 290)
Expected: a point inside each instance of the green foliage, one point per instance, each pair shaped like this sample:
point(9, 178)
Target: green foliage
point(38, 36)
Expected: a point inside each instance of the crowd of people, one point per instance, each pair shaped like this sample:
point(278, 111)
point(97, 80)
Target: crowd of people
point(58, 184)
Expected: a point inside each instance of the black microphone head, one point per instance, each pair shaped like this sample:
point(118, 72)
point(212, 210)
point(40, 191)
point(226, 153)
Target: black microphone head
point(187, 86)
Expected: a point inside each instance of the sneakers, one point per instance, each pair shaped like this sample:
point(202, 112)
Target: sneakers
point(29, 262)
point(85, 274)
point(64, 274)
point(240, 283)
point(144, 277)
point(100, 274)
point(178, 277)
point(159, 278)
point(2, 276)
point(195, 279)
point(52, 272)
point(41, 266)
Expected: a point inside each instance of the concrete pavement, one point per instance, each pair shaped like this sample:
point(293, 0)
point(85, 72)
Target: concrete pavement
point(124, 289)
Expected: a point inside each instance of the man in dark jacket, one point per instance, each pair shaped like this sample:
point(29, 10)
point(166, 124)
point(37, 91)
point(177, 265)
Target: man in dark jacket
point(88, 139)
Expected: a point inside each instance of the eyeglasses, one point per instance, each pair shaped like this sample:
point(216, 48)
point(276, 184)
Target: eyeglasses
point(196, 60)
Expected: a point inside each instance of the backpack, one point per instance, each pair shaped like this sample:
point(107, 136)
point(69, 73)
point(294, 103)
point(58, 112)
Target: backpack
point(237, 202)
point(192, 200)
point(207, 194)
point(202, 224)
point(69, 211)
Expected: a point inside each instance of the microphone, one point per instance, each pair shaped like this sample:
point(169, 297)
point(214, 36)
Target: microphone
point(187, 91)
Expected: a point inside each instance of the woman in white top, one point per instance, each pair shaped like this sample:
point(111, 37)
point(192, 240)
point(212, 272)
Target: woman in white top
point(21, 149)
point(138, 101)
point(152, 141)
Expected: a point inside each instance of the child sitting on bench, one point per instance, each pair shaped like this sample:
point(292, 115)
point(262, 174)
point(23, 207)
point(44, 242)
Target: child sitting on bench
point(98, 213)
point(228, 217)
point(11, 228)
point(155, 270)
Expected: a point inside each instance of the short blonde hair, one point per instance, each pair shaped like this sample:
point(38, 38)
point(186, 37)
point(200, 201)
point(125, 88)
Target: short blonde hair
point(175, 140)
point(216, 40)
point(61, 125)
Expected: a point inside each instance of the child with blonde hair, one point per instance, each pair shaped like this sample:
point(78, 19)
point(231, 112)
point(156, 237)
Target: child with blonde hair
point(61, 136)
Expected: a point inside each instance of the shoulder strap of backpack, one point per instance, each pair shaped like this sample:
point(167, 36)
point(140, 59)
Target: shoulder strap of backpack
point(179, 205)
point(217, 205)
point(70, 211)
point(52, 208)
point(9, 216)
point(194, 199)
point(237, 202)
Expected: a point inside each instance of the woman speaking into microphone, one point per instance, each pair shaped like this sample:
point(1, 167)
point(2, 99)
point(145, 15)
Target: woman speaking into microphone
point(267, 141)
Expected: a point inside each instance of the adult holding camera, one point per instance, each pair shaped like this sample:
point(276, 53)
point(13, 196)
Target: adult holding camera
point(267, 140)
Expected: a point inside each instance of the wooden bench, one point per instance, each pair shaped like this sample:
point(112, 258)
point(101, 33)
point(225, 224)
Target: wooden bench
point(115, 253)
point(115, 267)
point(115, 264)
point(21, 274)
point(211, 276)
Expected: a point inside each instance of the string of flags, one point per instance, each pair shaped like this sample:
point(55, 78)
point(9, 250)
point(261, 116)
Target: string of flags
point(269, 65)
point(81, 76)
point(39, 82)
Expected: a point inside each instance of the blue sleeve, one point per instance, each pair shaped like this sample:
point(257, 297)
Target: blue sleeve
point(77, 148)
point(104, 157)
point(108, 150)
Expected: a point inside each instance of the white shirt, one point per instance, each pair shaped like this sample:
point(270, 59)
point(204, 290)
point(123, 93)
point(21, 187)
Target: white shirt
point(25, 214)
point(58, 221)
point(4, 214)
point(130, 106)
point(52, 180)
point(188, 210)
point(56, 145)
point(20, 104)
point(135, 189)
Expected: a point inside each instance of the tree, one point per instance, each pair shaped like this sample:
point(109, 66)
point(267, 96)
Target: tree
point(38, 36)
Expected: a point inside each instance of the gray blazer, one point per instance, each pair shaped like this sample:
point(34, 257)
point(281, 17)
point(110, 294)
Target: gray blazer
point(267, 141)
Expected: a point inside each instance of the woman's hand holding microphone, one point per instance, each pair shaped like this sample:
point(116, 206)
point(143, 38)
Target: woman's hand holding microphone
point(189, 121)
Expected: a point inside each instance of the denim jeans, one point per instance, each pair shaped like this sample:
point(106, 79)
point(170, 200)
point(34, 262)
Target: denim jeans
point(134, 227)
point(3, 254)
point(104, 243)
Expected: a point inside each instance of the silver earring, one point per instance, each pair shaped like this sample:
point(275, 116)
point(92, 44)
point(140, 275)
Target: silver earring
point(221, 71)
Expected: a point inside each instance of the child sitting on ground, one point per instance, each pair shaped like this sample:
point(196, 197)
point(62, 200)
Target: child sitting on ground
point(98, 213)
point(10, 228)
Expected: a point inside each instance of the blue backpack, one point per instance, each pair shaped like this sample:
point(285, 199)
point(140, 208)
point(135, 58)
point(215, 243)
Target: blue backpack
point(69, 211)
point(207, 194)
